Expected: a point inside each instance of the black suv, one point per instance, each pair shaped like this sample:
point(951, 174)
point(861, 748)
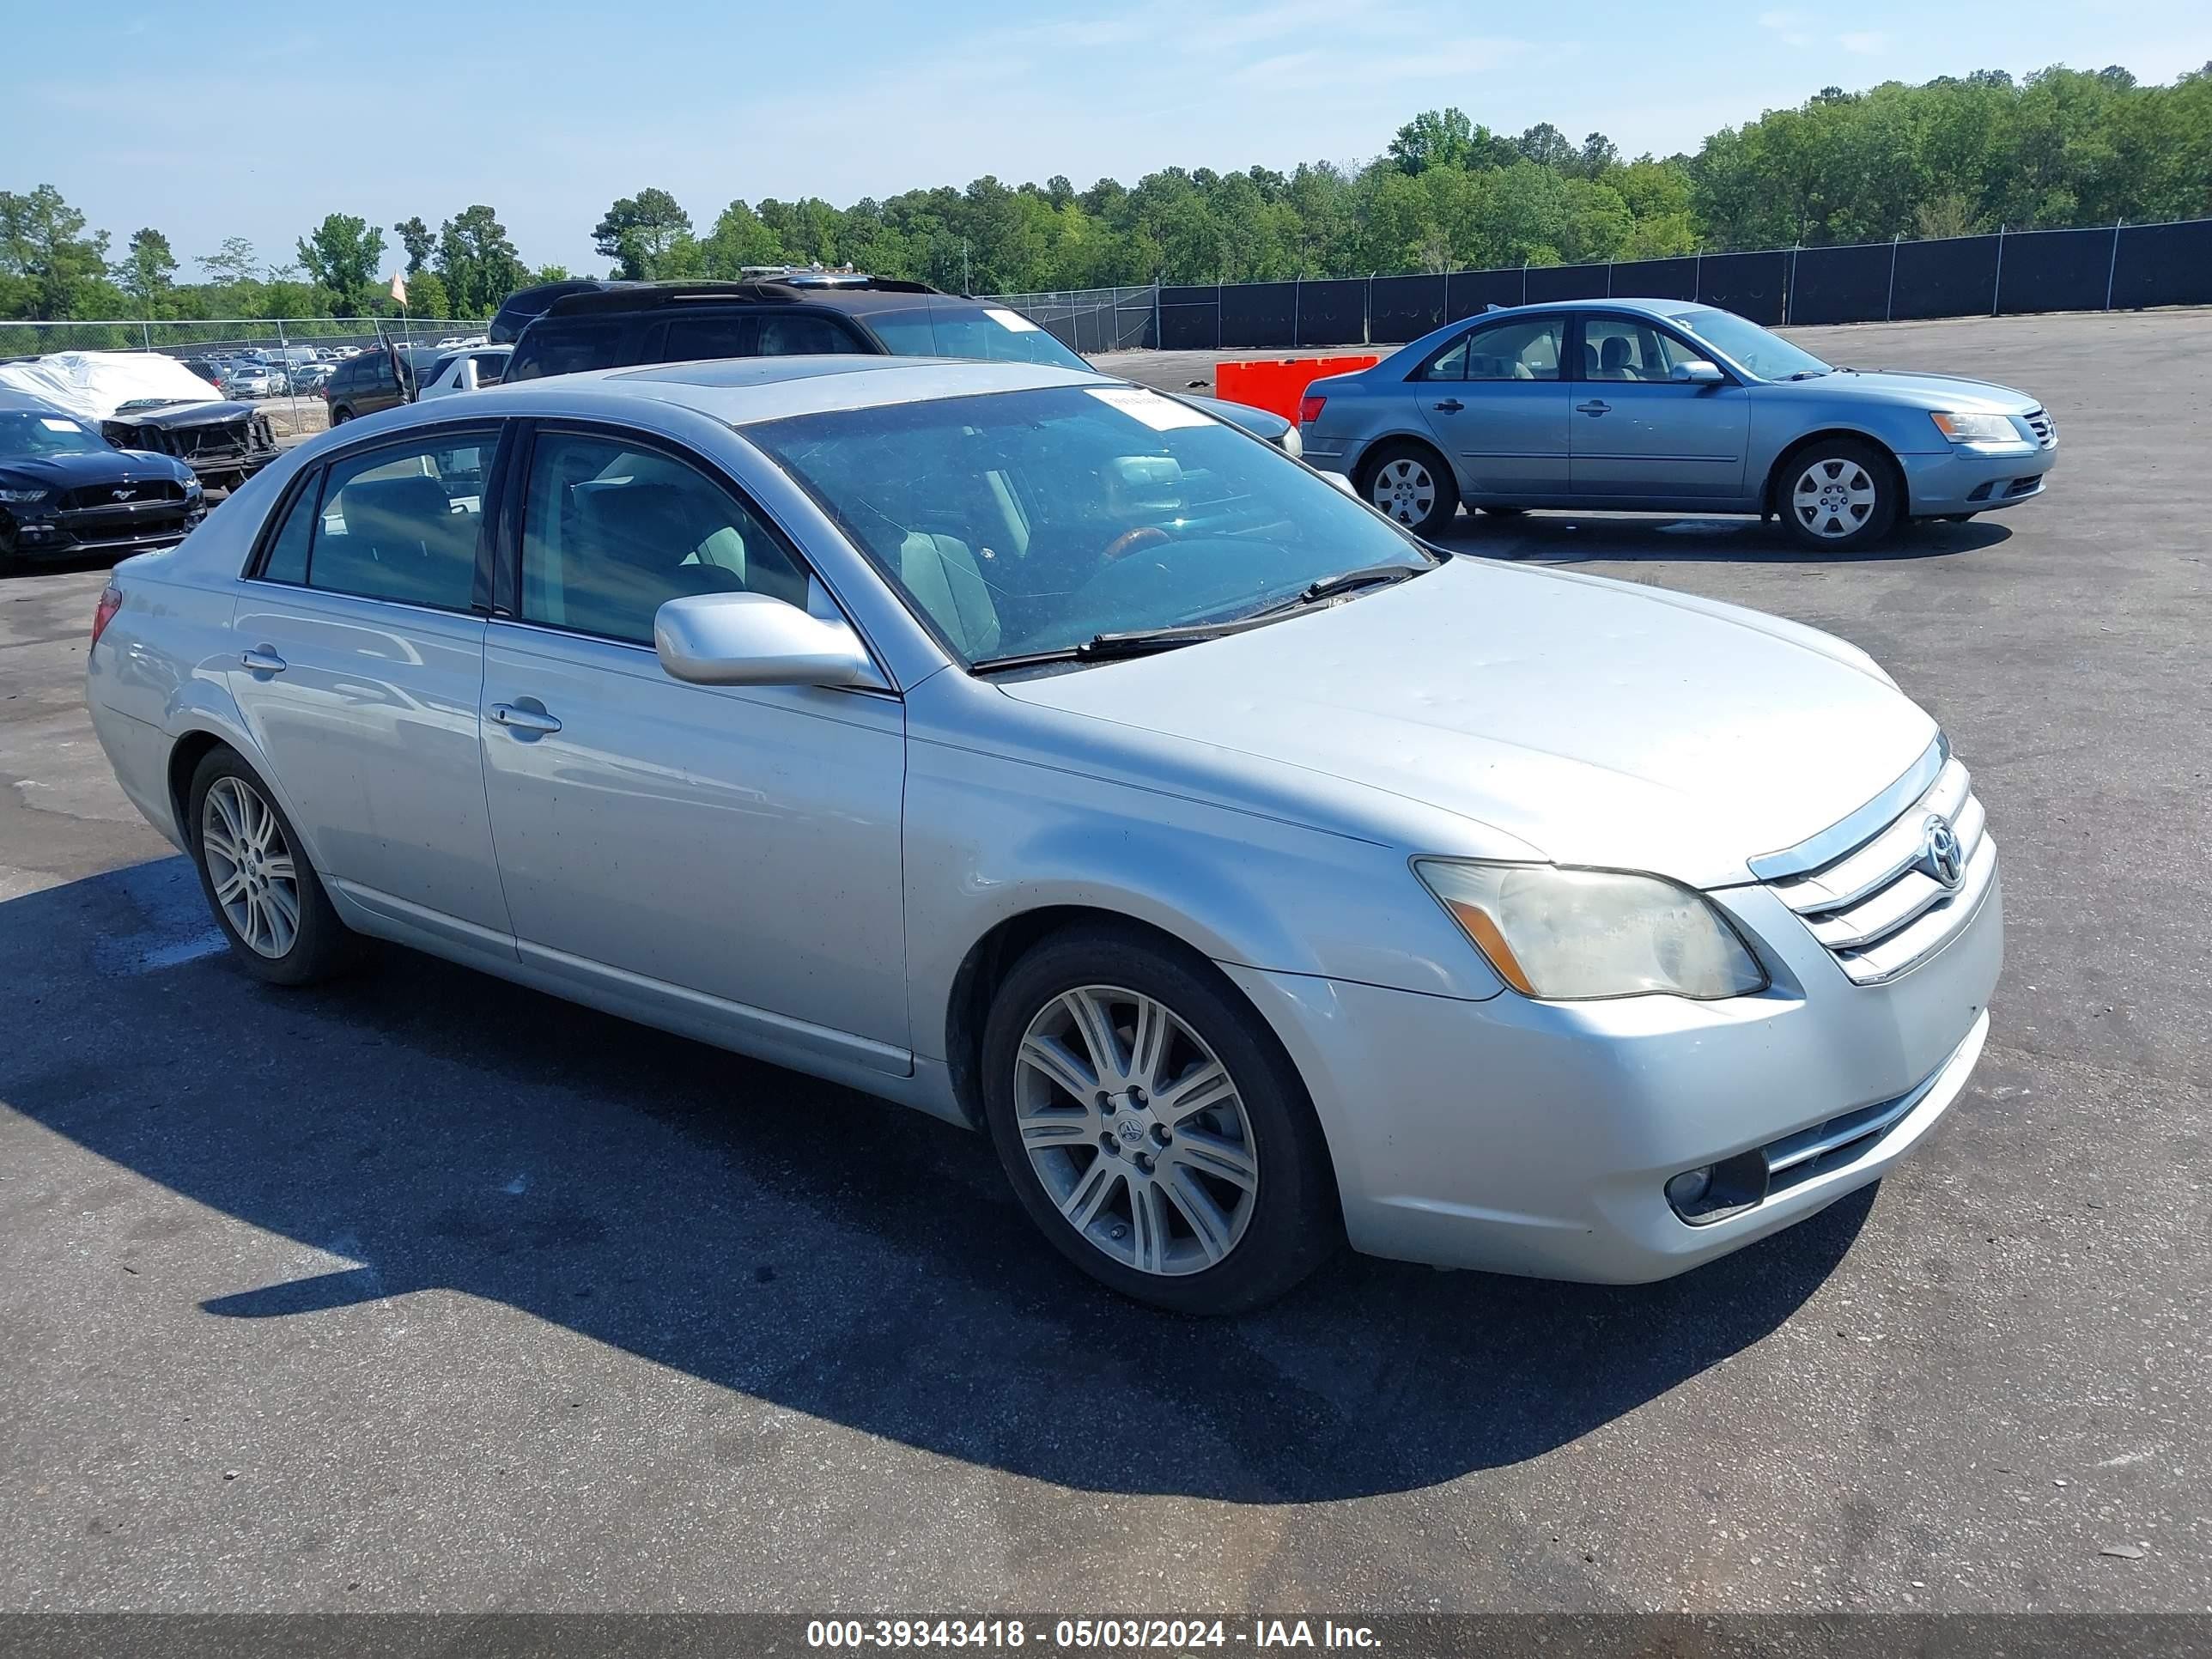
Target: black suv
point(621, 326)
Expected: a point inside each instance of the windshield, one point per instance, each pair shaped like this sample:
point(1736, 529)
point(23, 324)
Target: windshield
point(28, 432)
point(1769, 356)
point(1032, 521)
point(957, 329)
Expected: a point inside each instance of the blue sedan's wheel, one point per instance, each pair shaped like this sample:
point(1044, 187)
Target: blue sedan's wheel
point(1836, 494)
point(1409, 482)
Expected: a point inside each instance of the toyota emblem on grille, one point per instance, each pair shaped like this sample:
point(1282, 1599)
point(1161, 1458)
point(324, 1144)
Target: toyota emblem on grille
point(1941, 852)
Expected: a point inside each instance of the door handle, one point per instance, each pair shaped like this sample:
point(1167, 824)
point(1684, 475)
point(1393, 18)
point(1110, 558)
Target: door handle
point(523, 722)
point(261, 660)
point(1450, 405)
point(1595, 406)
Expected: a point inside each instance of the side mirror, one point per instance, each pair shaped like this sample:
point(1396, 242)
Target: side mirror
point(1343, 483)
point(750, 639)
point(1697, 372)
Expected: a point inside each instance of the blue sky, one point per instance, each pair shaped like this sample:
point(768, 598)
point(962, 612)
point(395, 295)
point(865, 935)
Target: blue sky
point(256, 119)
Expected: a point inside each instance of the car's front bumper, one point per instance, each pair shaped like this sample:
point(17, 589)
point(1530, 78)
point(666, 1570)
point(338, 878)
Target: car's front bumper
point(102, 533)
point(1965, 479)
point(1537, 1137)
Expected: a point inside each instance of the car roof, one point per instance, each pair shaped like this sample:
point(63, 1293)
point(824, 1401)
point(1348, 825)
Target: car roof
point(738, 390)
point(1648, 307)
point(851, 293)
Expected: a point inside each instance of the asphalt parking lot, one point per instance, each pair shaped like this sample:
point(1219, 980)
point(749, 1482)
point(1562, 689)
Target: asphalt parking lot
point(424, 1292)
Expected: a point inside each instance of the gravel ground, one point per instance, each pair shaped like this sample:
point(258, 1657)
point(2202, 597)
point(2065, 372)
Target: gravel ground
point(423, 1291)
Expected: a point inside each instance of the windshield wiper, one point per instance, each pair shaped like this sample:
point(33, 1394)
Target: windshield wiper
point(1131, 642)
point(1345, 581)
point(1812, 374)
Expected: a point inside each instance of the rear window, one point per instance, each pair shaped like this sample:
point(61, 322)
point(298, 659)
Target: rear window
point(568, 345)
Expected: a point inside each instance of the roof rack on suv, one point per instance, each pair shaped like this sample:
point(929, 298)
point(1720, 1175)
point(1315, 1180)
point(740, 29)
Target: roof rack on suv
point(800, 285)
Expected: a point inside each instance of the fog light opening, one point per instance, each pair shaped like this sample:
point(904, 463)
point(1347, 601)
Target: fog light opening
point(1714, 1192)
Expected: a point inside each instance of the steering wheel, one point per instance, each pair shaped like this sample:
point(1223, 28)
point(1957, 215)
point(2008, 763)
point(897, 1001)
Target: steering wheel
point(1129, 541)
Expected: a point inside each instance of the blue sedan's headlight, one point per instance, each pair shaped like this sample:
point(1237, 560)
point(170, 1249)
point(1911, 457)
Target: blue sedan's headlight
point(1977, 429)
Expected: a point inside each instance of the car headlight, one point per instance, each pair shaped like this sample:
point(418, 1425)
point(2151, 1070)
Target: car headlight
point(1976, 428)
point(1570, 935)
point(23, 495)
point(193, 488)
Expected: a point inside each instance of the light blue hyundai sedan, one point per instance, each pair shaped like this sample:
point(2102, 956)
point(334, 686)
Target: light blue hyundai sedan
point(1043, 753)
point(1665, 406)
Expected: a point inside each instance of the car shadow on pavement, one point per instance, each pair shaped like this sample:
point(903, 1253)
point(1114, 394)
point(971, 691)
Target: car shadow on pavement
point(1587, 538)
point(433, 1129)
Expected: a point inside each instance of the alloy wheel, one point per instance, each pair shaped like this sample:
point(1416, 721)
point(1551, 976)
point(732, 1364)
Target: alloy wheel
point(250, 866)
point(1136, 1130)
point(1833, 497)
point(1404, 489)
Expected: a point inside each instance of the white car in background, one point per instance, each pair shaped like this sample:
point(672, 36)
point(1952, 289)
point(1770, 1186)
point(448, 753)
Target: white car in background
point(465, 371)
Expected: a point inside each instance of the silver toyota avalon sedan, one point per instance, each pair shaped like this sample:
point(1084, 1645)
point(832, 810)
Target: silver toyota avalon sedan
point(1037, 750)
point(1662, 405)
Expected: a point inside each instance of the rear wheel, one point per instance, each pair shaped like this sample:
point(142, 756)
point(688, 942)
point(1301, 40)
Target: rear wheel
point(1836, 494)
point(341, 415)
point(266, 895)
point(1410, 482)
point(1153, 1129)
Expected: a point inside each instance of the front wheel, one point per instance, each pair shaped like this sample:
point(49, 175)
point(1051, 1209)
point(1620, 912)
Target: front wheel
point(1838, 494)
point(1409, 481)
point(1153, 1128)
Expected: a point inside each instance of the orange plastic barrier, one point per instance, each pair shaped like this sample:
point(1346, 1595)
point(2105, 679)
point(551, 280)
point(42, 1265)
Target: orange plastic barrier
point(1278, 383)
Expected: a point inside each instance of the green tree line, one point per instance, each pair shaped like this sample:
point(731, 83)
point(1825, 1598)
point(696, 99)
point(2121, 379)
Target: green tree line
point(1953, 155)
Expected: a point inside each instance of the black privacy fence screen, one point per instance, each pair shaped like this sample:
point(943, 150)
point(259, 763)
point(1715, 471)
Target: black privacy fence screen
point(2111, 268)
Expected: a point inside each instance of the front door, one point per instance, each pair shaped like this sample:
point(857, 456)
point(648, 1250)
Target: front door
point(362, 663)
point(732, 852)
point(1495, 398)
point(1639, 434)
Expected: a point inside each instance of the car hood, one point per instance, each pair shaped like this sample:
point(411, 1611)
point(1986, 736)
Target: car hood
point(1261, 422)
point(96, 467)
point(1594, 722)
point(169, 416)
point(1954, 392)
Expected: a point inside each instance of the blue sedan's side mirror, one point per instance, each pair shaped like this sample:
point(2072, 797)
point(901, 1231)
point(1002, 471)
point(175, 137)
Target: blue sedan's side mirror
point(1697, 372)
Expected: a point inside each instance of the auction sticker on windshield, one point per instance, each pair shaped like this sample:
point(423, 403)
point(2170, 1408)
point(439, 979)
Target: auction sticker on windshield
point(1012, 319)
point(1161, 414)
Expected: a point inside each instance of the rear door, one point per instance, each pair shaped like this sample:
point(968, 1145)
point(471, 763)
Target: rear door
point(1495, 398)
point(1639, 435)
point(361, 635)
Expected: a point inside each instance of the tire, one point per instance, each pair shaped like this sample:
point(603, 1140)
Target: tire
point(341, 415)
point(1838, 494)
point(1410, 482)
point(239, 834)
point(1239, 1196)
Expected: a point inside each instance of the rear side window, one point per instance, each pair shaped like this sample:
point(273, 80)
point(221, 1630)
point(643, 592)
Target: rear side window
point(568, 345)
point(401, 522)
point(709, 334)
point(287, 560)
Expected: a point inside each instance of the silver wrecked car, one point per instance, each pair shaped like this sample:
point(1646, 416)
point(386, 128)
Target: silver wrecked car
point(1043, 753)
point(1665, 406)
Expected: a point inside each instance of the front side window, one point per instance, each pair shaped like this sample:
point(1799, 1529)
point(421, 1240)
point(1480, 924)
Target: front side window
point(1030, 521)
point(795, 334)
point(611, 533)
point(401, 522)
point(1619, 349)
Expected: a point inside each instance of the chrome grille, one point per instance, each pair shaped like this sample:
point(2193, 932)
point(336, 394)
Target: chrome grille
point(1877, 907)
point(2046, 429)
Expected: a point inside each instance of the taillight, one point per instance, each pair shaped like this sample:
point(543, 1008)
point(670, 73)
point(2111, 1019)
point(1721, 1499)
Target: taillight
point(111, 601)
point(1309, 408)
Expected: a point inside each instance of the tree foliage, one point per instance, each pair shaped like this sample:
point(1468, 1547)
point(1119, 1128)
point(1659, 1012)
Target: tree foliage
point(1950, 157)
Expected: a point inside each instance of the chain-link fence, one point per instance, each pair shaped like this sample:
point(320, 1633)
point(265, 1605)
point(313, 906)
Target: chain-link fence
point(281, 363)
point(1089, 320)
